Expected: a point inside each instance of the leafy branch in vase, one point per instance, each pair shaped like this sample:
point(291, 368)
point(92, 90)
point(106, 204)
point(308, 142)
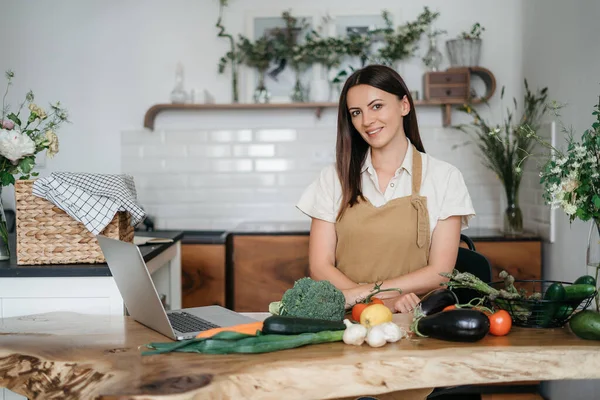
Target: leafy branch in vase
point(231, 56)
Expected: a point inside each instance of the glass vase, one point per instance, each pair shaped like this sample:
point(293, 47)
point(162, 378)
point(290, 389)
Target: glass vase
point(4, 249)
point(261, 94)
point(593, 254)
point(513, 217)
point(433, 58)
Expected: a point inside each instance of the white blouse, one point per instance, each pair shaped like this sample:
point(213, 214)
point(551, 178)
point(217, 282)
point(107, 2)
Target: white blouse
point(442, 184)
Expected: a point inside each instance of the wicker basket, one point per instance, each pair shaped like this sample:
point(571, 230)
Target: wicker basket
point(48, 235)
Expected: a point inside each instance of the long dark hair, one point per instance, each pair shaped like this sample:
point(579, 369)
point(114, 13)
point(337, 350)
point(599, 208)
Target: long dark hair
point(351, 148)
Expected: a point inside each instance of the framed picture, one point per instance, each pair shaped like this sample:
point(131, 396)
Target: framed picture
point(280, 79)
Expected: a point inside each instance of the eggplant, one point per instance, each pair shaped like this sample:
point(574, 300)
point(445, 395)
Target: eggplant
point(461, 325)
point(437, 300)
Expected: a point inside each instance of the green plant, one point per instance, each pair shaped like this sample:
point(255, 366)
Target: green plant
point(286, 43)
point(474, 33)
point(401, 43)
point(502, 148)
point(232, 56)
point(257, 54)
point(571, 178)
point(24, 135)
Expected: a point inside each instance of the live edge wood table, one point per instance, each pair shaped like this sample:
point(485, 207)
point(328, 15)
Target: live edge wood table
point(78, 356)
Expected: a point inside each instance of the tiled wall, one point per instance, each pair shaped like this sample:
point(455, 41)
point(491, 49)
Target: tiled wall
point(213, 171)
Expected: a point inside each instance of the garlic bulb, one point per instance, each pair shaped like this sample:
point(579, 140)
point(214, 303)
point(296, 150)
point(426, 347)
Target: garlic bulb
point(392, 332)
point(354, 334)
point(376, 336)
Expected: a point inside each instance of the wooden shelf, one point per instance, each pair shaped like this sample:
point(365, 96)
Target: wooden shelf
point(319, 107)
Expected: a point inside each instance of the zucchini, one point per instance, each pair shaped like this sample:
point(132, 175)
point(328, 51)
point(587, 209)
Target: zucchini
point(579, 291)
point(555, 293)
point(587, 279)
point(586, 325)
point(288, 325)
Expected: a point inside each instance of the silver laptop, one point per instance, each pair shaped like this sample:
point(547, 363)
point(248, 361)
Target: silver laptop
point(139, 294)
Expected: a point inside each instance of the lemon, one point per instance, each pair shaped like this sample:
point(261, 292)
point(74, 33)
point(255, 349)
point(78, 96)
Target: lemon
point(374, 315)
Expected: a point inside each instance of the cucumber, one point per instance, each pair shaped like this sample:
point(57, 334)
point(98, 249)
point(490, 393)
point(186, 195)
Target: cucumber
point(288, 325)
point(587, 279)
point(557, 293)
point(586, 325)
point(579, 291)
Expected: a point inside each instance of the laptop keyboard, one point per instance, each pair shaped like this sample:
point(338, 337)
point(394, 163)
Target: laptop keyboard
point(185, 322)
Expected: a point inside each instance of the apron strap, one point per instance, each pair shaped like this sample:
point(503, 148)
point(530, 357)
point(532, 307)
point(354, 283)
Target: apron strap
point(418, 202)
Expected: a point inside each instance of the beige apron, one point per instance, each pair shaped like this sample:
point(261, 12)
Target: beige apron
point(380, 243)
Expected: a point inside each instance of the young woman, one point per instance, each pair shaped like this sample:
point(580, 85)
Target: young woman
point(386, 211)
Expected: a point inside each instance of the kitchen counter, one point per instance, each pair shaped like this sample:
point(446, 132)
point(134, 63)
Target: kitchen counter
point(12, 269)
point(303, 228)
point(98, 356)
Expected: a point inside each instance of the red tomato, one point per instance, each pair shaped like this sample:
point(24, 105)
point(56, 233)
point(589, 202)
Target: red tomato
point(375, 300)
point(447, 308)
point(500, 323)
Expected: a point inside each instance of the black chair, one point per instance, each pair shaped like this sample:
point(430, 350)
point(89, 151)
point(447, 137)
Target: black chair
point(469, 260)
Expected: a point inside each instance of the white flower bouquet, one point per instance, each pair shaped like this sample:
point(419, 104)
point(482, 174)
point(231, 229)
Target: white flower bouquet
point(22, 136)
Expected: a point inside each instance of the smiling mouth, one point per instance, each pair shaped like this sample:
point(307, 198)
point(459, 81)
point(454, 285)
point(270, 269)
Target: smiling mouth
point(374, 131)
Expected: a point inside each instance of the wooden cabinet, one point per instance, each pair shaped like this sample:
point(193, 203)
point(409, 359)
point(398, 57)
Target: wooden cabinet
point(521, 259)
point(263, 267)
point(203, 275)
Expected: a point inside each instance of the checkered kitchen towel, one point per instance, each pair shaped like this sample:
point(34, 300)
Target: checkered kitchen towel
point(92, 199)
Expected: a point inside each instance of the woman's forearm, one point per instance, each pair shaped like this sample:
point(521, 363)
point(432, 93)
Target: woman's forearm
point(330, 273)
point(419, 282)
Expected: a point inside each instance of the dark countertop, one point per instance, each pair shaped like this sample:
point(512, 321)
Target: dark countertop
point(13, 270)
point(303, 228)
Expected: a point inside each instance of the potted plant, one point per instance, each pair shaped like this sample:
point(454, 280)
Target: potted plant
point(259, 55)
point(24, 133)
point(465, 50)
point(504, 150)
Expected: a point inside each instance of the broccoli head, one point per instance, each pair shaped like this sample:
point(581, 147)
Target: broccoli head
point(311, 299)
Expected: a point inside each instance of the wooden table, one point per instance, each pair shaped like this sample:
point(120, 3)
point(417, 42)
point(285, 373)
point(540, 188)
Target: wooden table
point(77, 356)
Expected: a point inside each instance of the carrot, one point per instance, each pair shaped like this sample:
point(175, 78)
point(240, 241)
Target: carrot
point(249, 329)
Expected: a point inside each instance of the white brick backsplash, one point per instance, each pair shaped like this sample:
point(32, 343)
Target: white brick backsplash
point(210, 150)
point(187, 165)
point(231, 180)
point(231, 165)
point(239, 135)
point(254, 150)
point(158, 182)
point(224, 169)
point(186, 137)
point(275, 135)
point(168, 150)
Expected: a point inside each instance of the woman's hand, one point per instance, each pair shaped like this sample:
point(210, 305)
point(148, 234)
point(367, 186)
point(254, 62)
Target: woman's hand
point(405, 303)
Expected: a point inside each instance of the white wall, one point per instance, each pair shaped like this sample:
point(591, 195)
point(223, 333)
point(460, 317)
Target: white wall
point(109, 61)
point(561, 50)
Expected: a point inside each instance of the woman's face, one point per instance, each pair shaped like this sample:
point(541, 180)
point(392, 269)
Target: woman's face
point(376, 114)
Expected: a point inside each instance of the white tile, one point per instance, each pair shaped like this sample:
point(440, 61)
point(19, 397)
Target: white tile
point(276, 195)
point(187, 165)
point(213, 151)
point(132, 166)
point(186, 137)
point(169, 196)
point(233, 135)
point(224, 165)
point(158, 182)
point(229, 195)
point(167, 150)
point(225, 180)
point(275, 135)
point(186, 223)
point(273, 165)
point(254, 150)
